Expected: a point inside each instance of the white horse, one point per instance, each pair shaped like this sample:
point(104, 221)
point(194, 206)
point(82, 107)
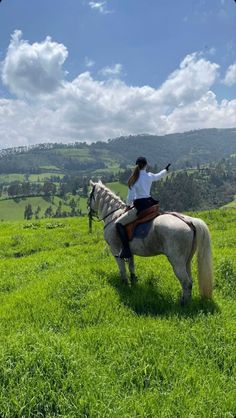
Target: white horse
point(168, 235)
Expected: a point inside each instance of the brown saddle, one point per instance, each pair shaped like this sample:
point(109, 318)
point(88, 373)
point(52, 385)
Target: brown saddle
point(144, 216)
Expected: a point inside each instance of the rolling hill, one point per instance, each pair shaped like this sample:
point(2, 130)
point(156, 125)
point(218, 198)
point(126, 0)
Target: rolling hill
point(183, 150)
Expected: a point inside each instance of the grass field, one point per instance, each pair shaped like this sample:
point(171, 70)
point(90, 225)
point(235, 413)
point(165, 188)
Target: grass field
point(231, 205)
point(8, 178)
point(43, 176)
point(11, 210)
point(50, 167)
point(76, 343)
point(118, 188)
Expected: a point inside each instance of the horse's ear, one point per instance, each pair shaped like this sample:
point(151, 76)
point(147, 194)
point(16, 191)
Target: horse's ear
point(91, 183)
point(100, 182)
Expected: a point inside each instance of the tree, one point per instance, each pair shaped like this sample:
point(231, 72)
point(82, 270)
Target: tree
point(62, 190)
point(49, 189)
point(14, 189)
point(36, 213)
point(25, 188)
point(58, 213)
point(73, 206)
point(85, 189)
point(28, 212)
point(48, 212)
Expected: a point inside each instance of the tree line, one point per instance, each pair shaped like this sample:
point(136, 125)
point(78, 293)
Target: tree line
point(51, 212)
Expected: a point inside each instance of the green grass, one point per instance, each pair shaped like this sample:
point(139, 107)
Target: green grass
point(231, 205)
point(76, 343)
point(44, 176)
point(110, 168)
point(50, 167)
point(9, 178)
point(83, 154)
point(41, 177)
point(118, 188)
point(12, 210)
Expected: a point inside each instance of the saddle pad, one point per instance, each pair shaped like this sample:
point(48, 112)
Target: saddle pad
point(142, 230)
point(144, 217)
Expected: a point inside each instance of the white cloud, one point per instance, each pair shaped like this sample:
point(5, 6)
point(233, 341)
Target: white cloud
point(100, 6)
point(212, 51)
point(90, 109)
point(88, 62)
point(33, 69)
point(230, 76)
point(192, 79)
point(204, 113)
point(113, 71)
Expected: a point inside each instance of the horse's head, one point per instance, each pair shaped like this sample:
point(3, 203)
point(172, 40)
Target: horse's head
point(92, 203)
point(102, 202)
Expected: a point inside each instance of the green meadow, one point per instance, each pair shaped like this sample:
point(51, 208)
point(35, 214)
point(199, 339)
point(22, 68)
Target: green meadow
point(8, 178)
point(118, 188)
point(41, 177)
point(231, 205)
point(13, 209)
point(76, 343)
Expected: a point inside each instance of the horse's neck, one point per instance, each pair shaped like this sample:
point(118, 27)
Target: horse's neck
point(109, 204)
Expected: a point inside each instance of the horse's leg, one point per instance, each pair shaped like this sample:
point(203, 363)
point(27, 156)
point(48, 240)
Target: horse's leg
point(121, 265)
point(133, 276)
point(189, 268)
point(180, 269)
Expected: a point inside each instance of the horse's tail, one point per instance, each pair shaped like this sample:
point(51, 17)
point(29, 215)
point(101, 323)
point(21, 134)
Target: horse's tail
point(204, 258)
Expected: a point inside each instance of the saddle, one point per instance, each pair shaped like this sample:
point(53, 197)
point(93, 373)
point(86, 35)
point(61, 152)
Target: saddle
point(144, 216)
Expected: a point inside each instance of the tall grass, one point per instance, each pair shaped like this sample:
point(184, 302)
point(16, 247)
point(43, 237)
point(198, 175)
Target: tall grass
point(76, 343)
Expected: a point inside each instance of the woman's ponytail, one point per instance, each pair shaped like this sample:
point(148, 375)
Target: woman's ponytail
point(141, 162)
point(134, 176)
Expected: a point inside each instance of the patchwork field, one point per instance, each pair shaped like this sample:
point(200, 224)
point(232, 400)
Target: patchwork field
point(76, 343)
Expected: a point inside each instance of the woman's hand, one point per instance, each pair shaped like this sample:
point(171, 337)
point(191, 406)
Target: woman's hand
point(167, 167)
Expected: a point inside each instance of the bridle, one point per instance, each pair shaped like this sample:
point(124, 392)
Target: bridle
point(92, 213)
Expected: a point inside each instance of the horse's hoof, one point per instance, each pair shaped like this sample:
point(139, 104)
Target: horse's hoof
point(133, 279)
point(184, 301)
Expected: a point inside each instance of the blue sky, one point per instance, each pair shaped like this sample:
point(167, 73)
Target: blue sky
point(98, 69)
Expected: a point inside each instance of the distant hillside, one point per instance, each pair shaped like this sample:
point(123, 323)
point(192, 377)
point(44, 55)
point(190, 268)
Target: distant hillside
point(184, 150)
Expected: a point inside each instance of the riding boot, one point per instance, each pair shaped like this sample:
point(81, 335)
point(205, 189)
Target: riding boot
point(125, 252)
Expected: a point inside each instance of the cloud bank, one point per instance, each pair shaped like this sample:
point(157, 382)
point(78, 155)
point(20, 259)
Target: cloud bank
point(48, 108)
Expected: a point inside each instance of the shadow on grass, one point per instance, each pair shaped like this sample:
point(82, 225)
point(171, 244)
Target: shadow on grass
point(144, 299)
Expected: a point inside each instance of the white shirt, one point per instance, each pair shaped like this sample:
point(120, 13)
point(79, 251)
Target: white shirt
point(141, 188)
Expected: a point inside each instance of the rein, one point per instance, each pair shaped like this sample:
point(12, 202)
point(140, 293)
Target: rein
point(110, 213)
point(111, 221)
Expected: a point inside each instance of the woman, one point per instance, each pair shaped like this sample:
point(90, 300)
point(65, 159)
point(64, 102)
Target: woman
point(139, 184)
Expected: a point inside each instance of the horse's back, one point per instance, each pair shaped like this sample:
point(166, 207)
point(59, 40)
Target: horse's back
point(166, 231)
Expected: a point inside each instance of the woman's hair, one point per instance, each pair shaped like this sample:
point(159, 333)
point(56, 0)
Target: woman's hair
point(141, 162)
